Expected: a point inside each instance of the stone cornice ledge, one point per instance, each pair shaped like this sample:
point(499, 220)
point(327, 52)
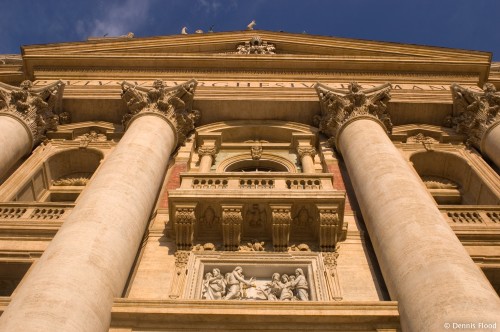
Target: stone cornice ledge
point(230, 314)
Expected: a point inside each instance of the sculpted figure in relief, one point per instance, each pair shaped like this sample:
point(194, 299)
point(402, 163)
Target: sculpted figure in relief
point(214, 285)
point(287, 288)
point(235, 280)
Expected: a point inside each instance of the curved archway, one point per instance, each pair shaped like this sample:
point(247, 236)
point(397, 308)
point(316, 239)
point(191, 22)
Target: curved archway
point(61, 177)
point(267, 163)
point(449, 173)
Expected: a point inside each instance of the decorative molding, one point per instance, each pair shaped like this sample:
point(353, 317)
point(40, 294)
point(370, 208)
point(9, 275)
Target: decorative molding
point(282, 218)
point(232, 219)
point(256, 46)
point(474, 112)
point(332, 277)
point(185, 221)
point(436, 182)
point(256, 152)
point(91, 136)
point(339, 107)
point(37, 108)
point(181, 260)
point(173, 103)
point(421, 138)
point(80, 181)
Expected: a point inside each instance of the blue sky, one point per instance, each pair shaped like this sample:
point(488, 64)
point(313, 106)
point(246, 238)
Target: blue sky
point(472, 24)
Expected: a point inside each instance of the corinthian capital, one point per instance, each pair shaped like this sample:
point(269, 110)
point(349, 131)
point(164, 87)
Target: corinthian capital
point(174, 104)
point(474, 112)
point(339, 107)
point(37, 108)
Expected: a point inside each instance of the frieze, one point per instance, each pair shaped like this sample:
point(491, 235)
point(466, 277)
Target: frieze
point(260, 84)
point(198, 72)
point(234, 286)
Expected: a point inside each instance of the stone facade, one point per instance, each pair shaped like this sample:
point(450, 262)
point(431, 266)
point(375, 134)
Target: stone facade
point(249, 180)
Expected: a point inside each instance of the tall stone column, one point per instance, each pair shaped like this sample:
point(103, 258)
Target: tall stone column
point(476, 115)
point(26, 114)
point(72, 286)
point(425, 267)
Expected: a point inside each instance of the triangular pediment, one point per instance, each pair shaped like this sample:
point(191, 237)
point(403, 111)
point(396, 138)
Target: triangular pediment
point(208, 52)
point(228, 42)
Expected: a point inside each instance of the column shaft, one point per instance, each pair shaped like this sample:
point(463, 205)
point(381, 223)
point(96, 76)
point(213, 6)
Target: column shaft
point(71, 287)
point(205, 163)
point(307, 164)
point(15, 142)
point(490, 144)
point(426, 268)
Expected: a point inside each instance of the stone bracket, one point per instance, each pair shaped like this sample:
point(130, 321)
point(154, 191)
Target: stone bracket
point(282, 218)
point(184, 224)
point(232, 219)
point(330, 227)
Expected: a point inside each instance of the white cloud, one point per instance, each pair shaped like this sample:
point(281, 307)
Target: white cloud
point(116, 20)
point(214, 7)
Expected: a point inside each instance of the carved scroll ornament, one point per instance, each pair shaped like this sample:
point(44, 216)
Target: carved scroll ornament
point(338, 107)
point(174, 103)
point(474, 112)
point(38, 108)
point(256, 46)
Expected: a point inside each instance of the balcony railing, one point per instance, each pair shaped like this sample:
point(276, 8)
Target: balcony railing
point(471, 215)
point(266, 181)
point(31, 211)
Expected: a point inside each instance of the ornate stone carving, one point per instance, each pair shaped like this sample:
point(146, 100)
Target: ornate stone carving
point(329, 227)
point(184, 224)
point(181, 260)
point(256, 46)
point(256, 152)
point(79, 181)
point(306, 151)
point(174, 104)
point(299, 247)
point(254, 245)
point(38, 108)
point(436, 182)
point(209, 218)
point(232, 286)
point(332, 280)
point(207, 150)
point(282, 218)
point(421, 138)
point(474, 112)
point(231, 226)
point(91, 136)
point(338, 107)
point(256, 216)
point(287, 288)
point(205, 247)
